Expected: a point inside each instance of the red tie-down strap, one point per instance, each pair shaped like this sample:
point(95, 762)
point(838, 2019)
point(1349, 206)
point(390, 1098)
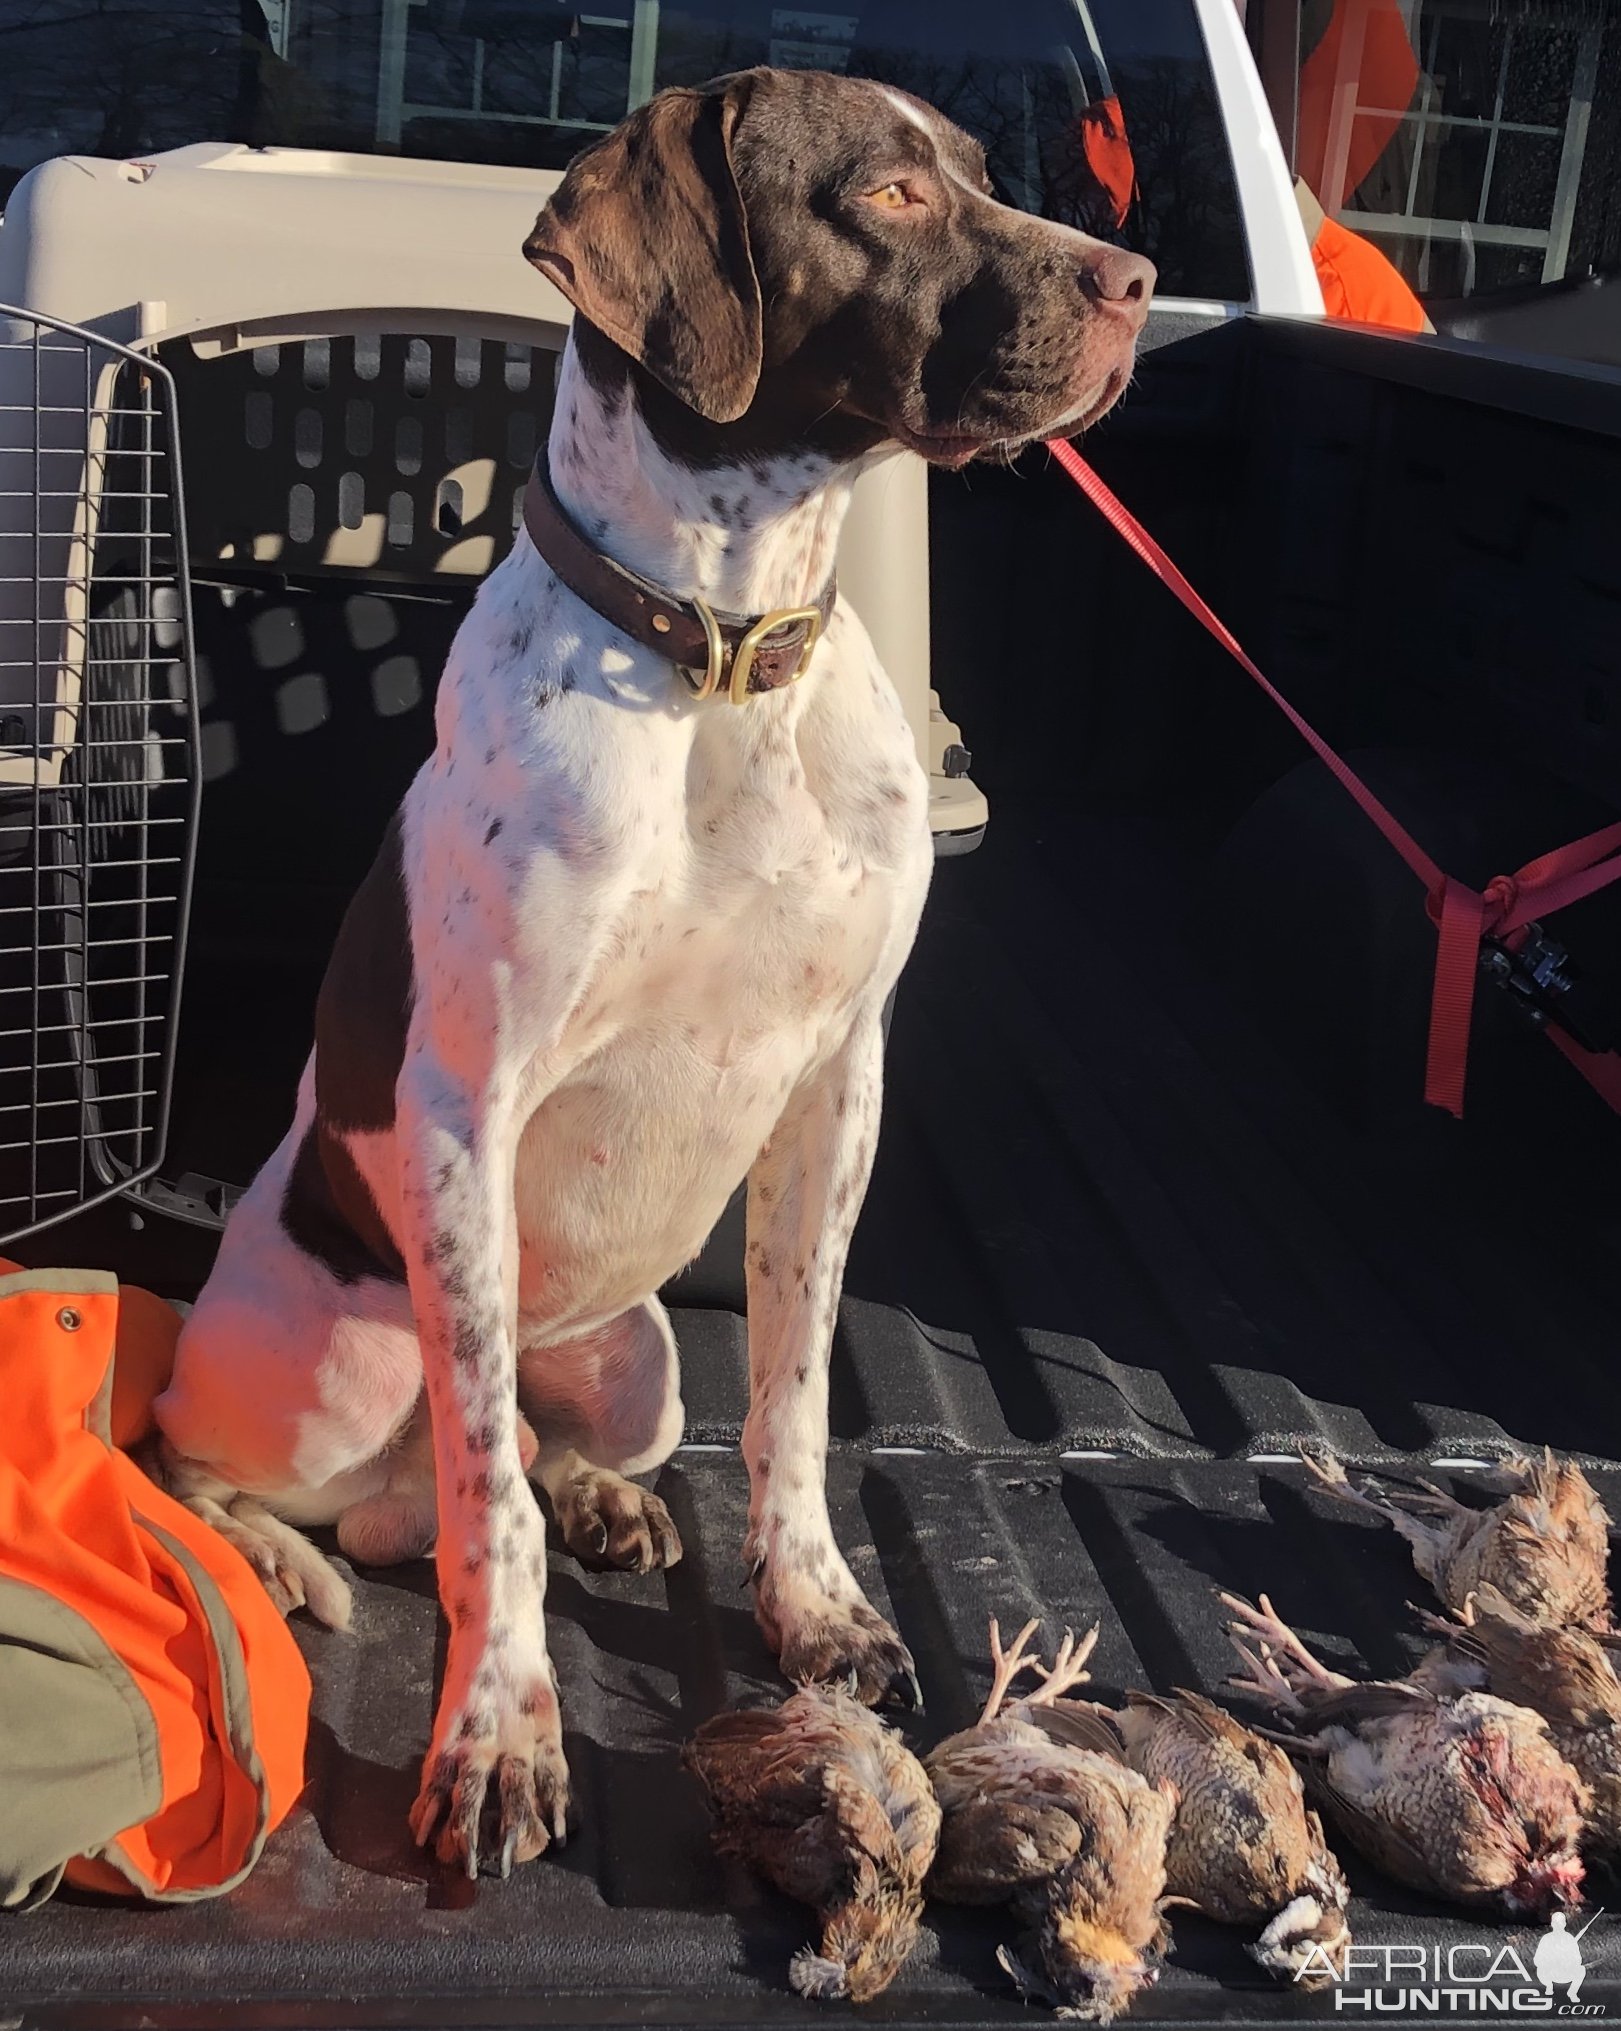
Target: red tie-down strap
point(1463, 918)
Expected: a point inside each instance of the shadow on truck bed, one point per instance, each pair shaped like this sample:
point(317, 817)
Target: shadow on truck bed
point(1155, 1199)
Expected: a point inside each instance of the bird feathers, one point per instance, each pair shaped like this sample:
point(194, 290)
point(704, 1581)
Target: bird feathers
point(834, 1809)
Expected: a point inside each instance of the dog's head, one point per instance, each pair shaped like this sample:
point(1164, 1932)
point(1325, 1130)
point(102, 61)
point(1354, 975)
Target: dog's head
point(818, 260)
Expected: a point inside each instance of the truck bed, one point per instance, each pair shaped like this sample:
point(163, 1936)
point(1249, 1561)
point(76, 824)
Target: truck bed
point(1117, 1264)
point(636, 1922)
point(1154, 1206)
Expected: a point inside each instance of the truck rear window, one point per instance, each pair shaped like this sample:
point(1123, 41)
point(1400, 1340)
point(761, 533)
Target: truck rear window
point(1101, 113)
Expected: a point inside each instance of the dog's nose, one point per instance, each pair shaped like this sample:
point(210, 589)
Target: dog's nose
point(1120, 283)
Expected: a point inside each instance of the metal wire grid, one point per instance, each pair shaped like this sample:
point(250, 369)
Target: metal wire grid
point(99, 766)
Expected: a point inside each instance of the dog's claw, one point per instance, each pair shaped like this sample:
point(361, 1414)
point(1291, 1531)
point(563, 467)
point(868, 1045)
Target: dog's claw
point(484, 1808)
point(608, 1520)
point(851, 1645)
point(425, 1817)
point(669, 1543)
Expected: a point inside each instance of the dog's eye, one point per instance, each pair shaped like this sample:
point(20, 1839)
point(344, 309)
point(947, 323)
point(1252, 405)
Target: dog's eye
point(892, 197)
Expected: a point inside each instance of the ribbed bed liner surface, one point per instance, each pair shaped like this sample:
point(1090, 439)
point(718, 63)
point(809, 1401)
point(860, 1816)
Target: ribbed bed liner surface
point(636, 1921)
point(1115, 1255)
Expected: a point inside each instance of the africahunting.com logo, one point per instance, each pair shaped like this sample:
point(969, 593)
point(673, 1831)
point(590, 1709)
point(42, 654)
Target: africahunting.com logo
point(1476, 1977)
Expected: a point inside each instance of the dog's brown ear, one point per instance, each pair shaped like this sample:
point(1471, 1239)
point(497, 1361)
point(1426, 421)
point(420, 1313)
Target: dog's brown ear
point(647, 238)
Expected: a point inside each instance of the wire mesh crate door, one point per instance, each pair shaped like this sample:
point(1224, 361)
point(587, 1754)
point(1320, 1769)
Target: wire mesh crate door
point(99, 770)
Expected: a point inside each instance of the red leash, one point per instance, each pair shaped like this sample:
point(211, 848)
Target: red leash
point(1504, 911)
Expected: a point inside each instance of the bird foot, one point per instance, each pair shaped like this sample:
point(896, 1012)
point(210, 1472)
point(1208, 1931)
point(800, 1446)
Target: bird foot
point(1279, 1665)
point(1008, 1665)
point(1068, 1668)
point(1330, 1475)
point(1444, 1625)
point(1416, 1499)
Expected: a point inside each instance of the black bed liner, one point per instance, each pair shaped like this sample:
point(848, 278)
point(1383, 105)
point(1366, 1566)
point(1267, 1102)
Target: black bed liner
point(1116, 1261)
point(635, 1921)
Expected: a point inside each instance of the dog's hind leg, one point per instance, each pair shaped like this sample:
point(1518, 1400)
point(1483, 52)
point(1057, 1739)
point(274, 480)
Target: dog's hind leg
point(293, 1572)
point(605, 1406)
point(290, 1389)
point(400, 1521)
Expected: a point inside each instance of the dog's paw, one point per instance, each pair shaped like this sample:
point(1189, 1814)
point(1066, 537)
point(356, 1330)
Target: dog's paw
point(840, 1642)
point(855, 1647)
point(291, 1570)
point(495, 1786)
point(607, 1520)
point(278, 1576)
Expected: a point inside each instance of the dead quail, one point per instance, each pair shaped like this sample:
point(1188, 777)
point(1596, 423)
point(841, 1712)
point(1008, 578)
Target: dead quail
point(1042, 1812)
point(1568, 1677)
point(834, 1809)
point(1452, 1792)
point(1544, 1545)
point(1243, 1847)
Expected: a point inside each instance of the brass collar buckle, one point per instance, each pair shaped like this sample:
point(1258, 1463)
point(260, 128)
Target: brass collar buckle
point(747, 649)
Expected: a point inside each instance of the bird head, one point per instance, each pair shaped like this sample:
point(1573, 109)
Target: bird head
point(1306, 1941)
point(1546, 1882)
point(864, 1944)
point(1087, 1968)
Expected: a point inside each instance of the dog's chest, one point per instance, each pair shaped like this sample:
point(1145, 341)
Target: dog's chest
point(775, 923)
point(769, 898)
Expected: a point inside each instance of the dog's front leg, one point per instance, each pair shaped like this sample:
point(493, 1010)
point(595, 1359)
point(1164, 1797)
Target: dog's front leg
point(494, 1783)
point(805, 1191)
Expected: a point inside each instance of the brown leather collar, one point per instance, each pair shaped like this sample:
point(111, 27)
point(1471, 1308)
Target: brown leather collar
point(713, 651)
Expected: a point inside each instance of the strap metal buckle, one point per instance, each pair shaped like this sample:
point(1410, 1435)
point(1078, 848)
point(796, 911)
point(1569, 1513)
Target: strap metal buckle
point(743, 661)
point(768, 624)
point(709, 683)
point(1545, 987)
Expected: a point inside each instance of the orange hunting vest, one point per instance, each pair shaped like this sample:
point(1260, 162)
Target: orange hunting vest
point(1358, 282)
point(153, 1705)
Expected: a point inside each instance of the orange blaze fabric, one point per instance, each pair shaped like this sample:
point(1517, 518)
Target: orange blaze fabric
point(1359, 282)
point(1384, 75)
point(1108, 155)
point(143, 1362)
point(178, 1607)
